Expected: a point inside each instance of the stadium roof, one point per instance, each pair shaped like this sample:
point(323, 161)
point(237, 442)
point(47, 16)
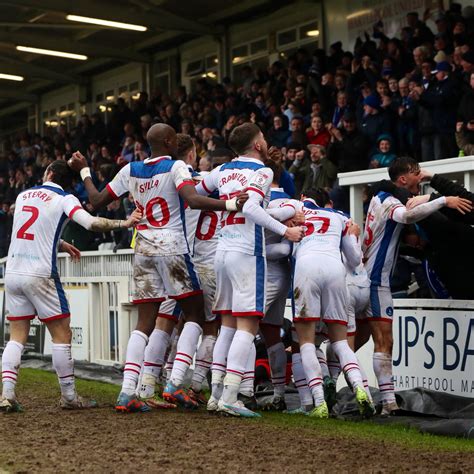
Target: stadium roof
point(43, 24)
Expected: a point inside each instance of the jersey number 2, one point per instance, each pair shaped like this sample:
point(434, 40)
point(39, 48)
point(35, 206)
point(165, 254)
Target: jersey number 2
point(22, 234)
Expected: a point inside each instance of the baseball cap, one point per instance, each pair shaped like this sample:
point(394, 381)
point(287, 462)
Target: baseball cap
point(442, 66)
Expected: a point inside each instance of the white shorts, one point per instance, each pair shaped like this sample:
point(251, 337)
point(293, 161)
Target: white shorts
point(158, 277)
point(320, 290)
point(207, 277)
point(357, 304)
point(240, 284)
point(380, 304)
point(278, 285)
point(170, 309)
point(28, 296)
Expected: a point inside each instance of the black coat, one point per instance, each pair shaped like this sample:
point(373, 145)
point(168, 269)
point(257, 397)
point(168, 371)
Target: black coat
point(350, 154)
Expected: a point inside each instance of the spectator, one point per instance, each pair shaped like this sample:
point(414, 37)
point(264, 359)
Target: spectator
point(315, 172)
point(375, 120)
point(441, 99)
point(384, 156)
point(317, 134)
point(278, 135)
point(465, 137)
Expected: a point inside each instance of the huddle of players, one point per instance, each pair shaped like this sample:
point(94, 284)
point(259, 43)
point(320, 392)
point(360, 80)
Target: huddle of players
point(231, 259)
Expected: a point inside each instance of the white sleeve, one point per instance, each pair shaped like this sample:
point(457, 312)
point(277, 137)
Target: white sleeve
point(120, 184)
point(402, 215)
point(253, 211)
point(210, 183)
point(181, 175)
point(351, 250)
point(284, 211)
point(260, 182)
point(71, 205)
point(279, 250)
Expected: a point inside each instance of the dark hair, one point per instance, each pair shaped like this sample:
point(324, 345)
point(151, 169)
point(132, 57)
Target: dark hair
point(242, 136)
point(62, 174)
point(185, 144)
point(276, 168)
point(319, 195)
point(402, 165)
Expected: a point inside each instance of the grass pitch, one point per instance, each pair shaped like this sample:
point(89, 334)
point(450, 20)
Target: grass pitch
point(46, 439)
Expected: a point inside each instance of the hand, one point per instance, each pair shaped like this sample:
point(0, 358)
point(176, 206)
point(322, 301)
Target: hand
point(461, 205)
point(459, 126)
point(425, 175)
point(353, 229)
point(336, 133)
point(294, 234)
point(242, 198)
point(296, 220)
point(275, 154)
point(77, 162)
point(299, 155)
point(73, 252)
point(417, 200)
point(134, 219)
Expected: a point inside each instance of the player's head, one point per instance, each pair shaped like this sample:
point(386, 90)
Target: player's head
point(248, 140)
point(405, 173)
point(319, 195)
point(186, 149)
point(277, 170)
point(59, 172)
point(220, 156)
point(162, 140)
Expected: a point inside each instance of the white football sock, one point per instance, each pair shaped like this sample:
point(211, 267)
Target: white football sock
point(349, 363)
point(219, 360)
point(322, 362)
point(63, 363)
point(313, 373)
point(301, 384)
point(171, 354)
point(236, 363)
point(203, 361)
point(248, 380)
point(277, 361)
point(11, 360)
point(383, 372)
point(134, 360)
point(153, 361)
point(365, 380)
point(333, 363)
point(185, 350)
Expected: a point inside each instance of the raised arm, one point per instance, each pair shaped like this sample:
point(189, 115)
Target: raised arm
point(98, 199)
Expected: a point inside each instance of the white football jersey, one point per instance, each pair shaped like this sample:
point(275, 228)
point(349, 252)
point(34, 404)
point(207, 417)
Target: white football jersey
point(41, 214)
point(381, 238)
point(241, 174)
point(324, 230)
point(278, 198)
point(154, 184)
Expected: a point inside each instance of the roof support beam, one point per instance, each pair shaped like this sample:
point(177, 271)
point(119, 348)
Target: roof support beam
point(32, 70)
point(59, 44)
point(157, 18)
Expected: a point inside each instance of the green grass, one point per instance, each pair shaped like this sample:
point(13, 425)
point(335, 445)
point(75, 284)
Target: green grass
point(392, 434)
point(45, 384)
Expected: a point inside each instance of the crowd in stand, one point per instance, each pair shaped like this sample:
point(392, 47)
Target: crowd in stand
point(326, 113)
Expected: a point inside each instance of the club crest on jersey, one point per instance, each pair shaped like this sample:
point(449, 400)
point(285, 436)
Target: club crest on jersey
point(148, 185)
